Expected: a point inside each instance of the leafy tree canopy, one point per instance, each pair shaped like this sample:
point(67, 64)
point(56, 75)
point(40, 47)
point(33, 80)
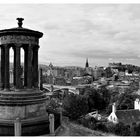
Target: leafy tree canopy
point(75, 106)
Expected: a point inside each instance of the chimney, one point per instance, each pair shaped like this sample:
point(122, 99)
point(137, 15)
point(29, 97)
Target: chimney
point(114, 107)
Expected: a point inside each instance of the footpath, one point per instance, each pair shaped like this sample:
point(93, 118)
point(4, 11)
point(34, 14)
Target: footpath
point(71, 129)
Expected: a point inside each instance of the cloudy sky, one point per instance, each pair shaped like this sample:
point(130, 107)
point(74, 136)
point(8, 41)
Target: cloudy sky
point(102, 33)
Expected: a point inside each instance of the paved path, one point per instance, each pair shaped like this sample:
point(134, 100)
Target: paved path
point(71, 129)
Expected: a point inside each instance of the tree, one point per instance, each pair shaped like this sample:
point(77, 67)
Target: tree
point(108, 72)
point(122, 130)
point(75, 106)
point(89, 94)
point(93, 98)
point(101, 127)
point(97, 99)
point(88, 121)
point(104, 97)
point(136, 130)
point(53, 104)
point(125, 101)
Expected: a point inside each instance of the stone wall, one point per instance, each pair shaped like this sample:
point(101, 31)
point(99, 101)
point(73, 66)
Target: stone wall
point(23, 112)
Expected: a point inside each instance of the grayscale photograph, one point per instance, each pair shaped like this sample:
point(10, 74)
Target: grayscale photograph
point(70, 69)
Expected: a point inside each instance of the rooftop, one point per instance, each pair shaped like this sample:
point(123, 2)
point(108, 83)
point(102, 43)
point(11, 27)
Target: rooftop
point(128, 116)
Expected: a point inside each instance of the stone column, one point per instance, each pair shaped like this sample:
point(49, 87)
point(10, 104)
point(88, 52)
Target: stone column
point(41, 79)
point(14, 70)
point(18, 67)
point(17, 127)
point(25, 65)
point(6, 74)
point(35, 66)
point(29, 65)
point(51, 126)
point(2, 70)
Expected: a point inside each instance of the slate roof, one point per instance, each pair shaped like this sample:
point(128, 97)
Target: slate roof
point(128, 116)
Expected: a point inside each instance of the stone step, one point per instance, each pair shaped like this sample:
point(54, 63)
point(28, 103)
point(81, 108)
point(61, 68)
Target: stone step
point(21, 102)
point(20, 93)
point(21, 98)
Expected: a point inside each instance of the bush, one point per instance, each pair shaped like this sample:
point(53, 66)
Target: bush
point(101, 126)
point(75, 106)
point(118, 129)
point(122, 130)
point(88, 122)
point(53, 104)
point(110, 127)
point(136, 130)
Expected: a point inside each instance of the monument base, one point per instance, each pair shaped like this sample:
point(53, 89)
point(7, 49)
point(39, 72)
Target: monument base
point(29, 127)
point(27, 105)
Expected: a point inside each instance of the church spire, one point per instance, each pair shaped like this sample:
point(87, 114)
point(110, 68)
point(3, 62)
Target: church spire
point(50, 65)
point(87, 65)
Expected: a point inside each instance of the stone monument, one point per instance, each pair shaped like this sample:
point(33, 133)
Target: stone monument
point(23, 100)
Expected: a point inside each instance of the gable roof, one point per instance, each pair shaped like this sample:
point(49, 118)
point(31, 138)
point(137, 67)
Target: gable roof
point(128, 116)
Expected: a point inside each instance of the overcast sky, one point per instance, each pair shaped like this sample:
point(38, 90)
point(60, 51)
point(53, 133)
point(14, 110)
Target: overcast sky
point(102, 33)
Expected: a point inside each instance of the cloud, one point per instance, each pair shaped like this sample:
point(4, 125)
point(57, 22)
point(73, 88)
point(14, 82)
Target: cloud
point(73, 32)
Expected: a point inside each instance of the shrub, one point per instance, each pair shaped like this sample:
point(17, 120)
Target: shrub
point(136, 130)
point(122, 130)
point(101, 126)
point(75, 106)
point(89, 122)
point(111, 127)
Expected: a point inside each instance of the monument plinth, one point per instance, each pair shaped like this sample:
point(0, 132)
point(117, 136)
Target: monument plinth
point(23, 99)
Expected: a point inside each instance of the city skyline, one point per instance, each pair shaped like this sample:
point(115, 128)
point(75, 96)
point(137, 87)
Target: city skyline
point(102, 33)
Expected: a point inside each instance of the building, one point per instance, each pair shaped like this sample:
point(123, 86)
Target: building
point(88, 70)
point(98, 72)
point(81, 80)
point(128, 117)
point(60, 81)
point(87, 65)
point(115, 66)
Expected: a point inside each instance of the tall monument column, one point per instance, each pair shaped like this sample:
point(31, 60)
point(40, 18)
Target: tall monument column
point(14, 69)
point(2, 68)
point(25, 66)
point(2, 64)
point(29, 66)
point(6, 74)
point(35, 66)
point(17, 68)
